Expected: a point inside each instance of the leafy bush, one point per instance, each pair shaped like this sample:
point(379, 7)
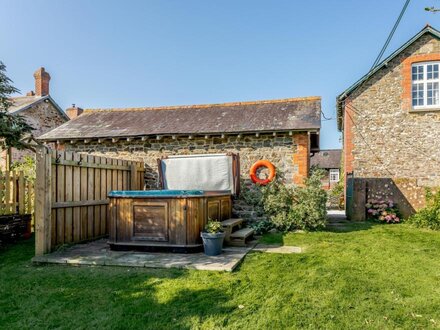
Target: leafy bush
point(289, 207)
point(429, 216)
point(336, 195)
point(27, 165)
point(262, 226)
point(383, 211)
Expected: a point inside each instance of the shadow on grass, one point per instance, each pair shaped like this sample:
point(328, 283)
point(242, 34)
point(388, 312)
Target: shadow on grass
point(348, 227)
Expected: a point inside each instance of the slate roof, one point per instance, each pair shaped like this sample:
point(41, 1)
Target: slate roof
point(240, 117)
point(22, 103)
point(327, 159)
point(340, 99)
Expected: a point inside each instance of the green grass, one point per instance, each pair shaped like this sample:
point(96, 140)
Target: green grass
point(366, 277)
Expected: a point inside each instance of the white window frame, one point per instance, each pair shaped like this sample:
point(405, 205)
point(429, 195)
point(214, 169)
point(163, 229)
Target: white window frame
point(425, 81)
point(335, 172)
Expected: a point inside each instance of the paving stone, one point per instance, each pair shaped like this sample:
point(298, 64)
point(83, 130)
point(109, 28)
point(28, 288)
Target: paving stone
point(98, 254)
point(283, 249)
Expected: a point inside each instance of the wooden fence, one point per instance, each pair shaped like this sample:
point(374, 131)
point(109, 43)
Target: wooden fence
point(71, 190)
point(16, 193)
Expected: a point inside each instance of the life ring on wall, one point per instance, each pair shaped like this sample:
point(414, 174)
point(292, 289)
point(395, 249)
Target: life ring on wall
point(256, 166)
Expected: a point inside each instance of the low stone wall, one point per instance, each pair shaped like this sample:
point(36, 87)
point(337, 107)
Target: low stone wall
point(408, 194)
point(289, 154)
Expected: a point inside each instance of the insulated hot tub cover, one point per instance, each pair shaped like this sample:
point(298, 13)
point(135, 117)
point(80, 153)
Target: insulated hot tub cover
point(210, 172)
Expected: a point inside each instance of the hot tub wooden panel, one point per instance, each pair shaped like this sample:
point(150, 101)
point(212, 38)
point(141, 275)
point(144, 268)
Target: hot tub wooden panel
point(164, 221)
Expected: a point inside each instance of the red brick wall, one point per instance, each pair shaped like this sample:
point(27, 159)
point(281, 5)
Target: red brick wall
point(301, 158)
point(407, 76)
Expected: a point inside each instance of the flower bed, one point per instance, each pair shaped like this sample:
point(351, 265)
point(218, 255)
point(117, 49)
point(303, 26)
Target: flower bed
point(382, 211)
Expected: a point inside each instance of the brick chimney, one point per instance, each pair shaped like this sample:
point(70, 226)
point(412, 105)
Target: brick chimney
point(74, 111)
point(41, 82)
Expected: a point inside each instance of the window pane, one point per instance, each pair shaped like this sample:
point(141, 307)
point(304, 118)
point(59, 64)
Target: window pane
point(429, 71)
point(433, 94)
point(417, 94)
point(417, 72)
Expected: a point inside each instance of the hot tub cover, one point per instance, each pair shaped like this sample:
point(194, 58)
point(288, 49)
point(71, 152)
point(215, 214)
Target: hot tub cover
point(212, 172)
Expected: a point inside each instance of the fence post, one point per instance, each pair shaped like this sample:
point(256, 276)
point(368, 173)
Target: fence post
point(43, 202)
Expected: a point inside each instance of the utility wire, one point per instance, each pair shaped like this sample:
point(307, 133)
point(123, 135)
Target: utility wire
point(390, 36)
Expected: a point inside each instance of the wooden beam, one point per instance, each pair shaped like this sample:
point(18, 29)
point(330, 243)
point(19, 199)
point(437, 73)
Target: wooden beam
point(86, 140)
point(43, 202)
point(174, 137)
point(60, 205)
point(158, 137)
point(101, 140)
point(144, 138)
point(257, 134)
point(114, 140)
point(190, 137)
point(129, 139)
point(274, 133)
point(90, 165)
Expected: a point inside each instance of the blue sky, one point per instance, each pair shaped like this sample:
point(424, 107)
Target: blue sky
point(170, 52)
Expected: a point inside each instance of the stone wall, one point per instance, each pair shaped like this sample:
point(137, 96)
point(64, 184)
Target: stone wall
point(385, 138)
point(281, 150)
point(43, 117)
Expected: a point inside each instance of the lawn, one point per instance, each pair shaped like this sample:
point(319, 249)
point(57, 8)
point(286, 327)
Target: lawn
point(367, 276)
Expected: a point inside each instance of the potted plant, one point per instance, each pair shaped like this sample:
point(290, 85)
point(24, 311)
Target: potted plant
point(213, 237)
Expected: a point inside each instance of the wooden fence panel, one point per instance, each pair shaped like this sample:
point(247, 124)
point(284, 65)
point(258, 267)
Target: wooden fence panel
point(15, 193)
point(77, 187)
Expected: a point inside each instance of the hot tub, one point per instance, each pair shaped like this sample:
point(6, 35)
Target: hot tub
point(164, 219)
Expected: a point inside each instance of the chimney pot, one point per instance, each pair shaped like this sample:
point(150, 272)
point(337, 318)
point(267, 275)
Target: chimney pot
point(30, 93)
point(74, 111)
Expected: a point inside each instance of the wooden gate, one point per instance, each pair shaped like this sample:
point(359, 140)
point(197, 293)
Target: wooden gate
point(349, 187)
point(71, 190)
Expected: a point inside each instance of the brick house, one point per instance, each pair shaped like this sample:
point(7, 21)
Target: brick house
point(390, 120)
point(281, 131)
point(39, 110)
point(330, 162)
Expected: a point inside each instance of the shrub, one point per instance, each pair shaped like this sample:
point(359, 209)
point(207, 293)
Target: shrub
point(289, 208)
point(383, 211)
point(27, 165)
point(336, 195)
point(429, 216)
point(262, 226)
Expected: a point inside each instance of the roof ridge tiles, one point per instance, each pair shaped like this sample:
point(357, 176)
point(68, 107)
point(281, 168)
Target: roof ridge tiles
point(208, 105)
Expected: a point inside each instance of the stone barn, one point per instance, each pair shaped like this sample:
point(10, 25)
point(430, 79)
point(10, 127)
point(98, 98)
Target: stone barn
point(281, 131)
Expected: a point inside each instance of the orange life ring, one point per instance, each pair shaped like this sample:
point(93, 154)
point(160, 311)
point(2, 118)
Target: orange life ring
point(256, 166)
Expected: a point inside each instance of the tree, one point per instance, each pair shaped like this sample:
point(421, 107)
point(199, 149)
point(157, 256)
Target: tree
point(13, 127)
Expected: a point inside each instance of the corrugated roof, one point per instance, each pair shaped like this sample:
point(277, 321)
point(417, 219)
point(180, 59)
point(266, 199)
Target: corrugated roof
point(273, 115)
point(339, 100)
point(327, 159)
